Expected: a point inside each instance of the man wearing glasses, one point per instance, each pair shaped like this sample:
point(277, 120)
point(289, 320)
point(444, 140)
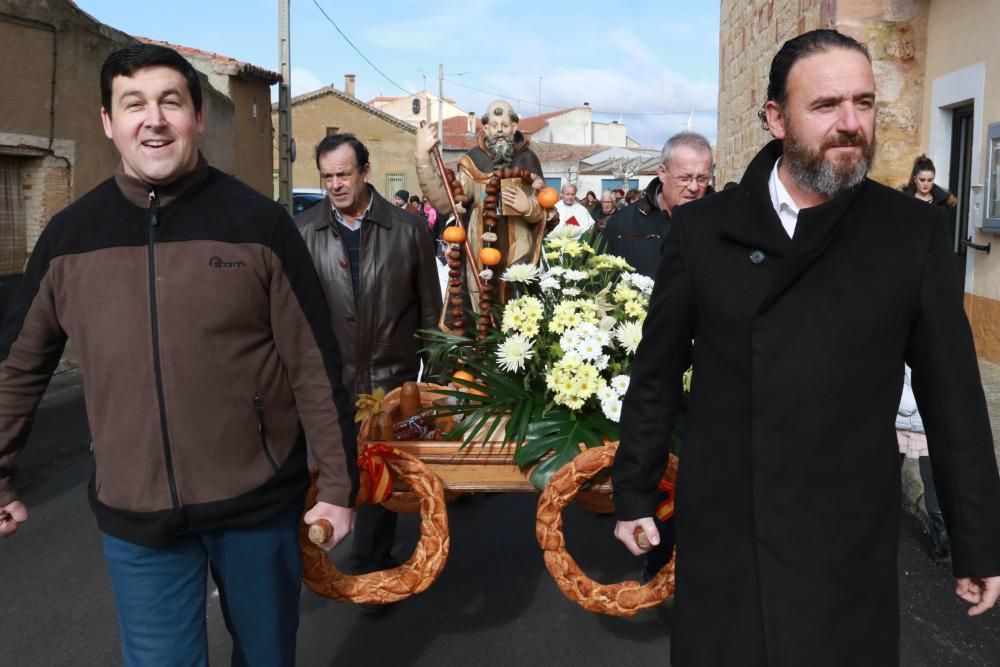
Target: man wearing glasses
point(684, 174)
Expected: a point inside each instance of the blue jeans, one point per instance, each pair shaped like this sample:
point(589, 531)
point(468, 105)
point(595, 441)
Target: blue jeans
point(160, 593)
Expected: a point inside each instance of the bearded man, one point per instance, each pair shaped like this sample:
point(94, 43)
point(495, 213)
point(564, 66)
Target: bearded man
point(500, 145)
point(801, 317)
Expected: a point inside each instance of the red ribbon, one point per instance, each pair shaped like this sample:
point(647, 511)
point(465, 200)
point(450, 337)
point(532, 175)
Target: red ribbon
point(372, 459)
point(665, 509)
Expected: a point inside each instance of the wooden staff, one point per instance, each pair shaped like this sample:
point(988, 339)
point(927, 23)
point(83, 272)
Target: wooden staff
point(439, 161)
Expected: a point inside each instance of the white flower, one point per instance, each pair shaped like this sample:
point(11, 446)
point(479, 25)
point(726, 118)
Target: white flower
point(563, 232)
point(571, 291)
point(620, 384)
point(612, 409)
point(555, 271)
point(520, 273)
point(628, 334)
point(642, 283)
point(574, 275)
point(585, 340)
point(514, 352)
point(548, 283)
point(486, 274)
point(606, 393)
point(602, 362)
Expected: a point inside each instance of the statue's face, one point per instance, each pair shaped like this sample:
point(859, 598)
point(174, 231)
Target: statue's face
point(500, 125)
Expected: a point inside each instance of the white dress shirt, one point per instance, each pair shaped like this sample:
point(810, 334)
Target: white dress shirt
point(784, 205)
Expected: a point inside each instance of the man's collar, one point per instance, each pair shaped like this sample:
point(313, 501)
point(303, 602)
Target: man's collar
point(364, 216)
point(137, 191)
point(779, 194)
point(379, 211)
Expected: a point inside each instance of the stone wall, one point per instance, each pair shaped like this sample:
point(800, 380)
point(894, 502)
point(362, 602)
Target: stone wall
point(390, 146)
point(751, 32)
point(895, 32)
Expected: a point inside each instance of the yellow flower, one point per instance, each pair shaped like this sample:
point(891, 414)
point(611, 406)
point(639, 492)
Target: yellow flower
point(635, 309)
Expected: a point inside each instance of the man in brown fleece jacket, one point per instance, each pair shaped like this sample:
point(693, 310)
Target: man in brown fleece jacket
point(208, 356)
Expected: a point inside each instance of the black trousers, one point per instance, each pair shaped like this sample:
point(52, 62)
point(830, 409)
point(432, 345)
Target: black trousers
point(374, 537)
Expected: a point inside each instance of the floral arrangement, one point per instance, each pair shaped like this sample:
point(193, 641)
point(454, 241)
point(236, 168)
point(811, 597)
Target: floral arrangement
point(559, 365)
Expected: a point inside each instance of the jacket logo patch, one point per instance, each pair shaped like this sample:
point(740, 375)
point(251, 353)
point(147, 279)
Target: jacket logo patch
point(219, 263)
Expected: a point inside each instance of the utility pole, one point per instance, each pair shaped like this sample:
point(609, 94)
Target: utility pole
point(284, 109)
point(440, 106)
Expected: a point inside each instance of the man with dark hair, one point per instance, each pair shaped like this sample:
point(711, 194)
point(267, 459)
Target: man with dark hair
point(684, 174)
point(207, 355)
point(376, 262)
point(801, 318)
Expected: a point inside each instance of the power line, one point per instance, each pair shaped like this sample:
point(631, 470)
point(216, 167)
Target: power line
point(347, 39)
point(553, 106)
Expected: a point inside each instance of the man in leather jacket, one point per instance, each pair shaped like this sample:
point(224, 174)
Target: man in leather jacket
point(377, 266)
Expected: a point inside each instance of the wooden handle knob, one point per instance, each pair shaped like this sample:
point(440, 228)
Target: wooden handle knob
point(638, 533)
point(320, 532)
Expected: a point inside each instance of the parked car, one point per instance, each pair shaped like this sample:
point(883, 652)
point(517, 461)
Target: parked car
point(306, 198)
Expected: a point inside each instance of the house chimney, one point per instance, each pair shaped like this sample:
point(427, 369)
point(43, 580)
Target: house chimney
point(472, 122)
point(349, 85)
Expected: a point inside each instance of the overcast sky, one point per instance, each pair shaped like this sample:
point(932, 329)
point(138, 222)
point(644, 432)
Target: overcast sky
point(649, 67)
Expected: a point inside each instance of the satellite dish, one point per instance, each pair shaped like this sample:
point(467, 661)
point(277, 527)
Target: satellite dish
point(416, 105)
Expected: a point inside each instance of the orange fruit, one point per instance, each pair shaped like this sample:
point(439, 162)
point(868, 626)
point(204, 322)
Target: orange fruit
point(463, 375)
point(548, 197)
point(453, 234)
point(489, 256)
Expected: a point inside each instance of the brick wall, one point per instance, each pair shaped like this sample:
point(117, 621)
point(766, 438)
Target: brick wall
point(752, 31)
point(47, 187)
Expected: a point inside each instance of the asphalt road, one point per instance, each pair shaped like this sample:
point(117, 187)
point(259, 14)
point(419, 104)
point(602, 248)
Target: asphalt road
point(495, 604)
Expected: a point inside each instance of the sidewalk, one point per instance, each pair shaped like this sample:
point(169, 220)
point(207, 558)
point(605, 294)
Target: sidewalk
point(912, 488)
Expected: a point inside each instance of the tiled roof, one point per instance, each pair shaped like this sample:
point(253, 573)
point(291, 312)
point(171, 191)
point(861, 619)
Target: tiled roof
point(221, 64)
point(330, 90)
point(533, 124)
point(646, 167)
point(456, 133)
point(551, 152)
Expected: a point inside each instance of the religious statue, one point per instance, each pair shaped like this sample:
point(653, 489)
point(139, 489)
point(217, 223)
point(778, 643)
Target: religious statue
point(494, 190)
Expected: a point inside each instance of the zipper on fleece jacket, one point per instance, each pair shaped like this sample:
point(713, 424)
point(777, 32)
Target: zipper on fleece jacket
point(154, 224)
point(258, 406)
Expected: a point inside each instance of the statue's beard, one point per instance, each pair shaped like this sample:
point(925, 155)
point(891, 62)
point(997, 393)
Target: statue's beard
point(501, 150)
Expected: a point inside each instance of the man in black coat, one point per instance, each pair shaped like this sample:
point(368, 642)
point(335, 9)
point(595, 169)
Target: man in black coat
point(636, 232)
point(802, 316)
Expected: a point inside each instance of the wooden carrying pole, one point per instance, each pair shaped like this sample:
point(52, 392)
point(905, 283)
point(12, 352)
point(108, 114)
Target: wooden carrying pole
point(439, 161)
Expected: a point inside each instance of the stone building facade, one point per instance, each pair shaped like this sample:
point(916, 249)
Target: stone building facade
point(391, 142)
point(937, 71)
point(52, 145)
point(750, 34)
